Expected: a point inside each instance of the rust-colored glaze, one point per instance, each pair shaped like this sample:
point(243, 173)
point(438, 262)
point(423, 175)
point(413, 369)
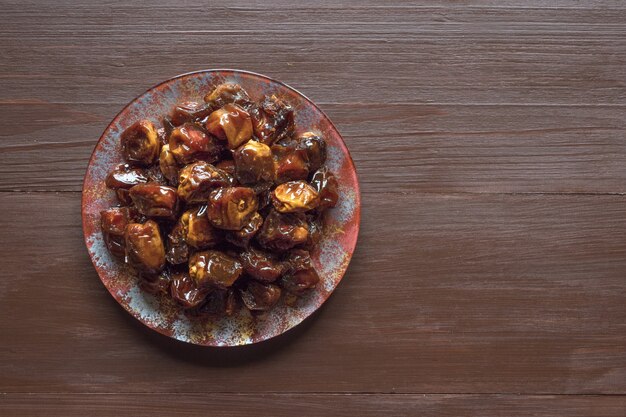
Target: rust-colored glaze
point(330, 257)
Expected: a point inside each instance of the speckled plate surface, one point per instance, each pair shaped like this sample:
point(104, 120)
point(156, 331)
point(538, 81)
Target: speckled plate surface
point(330, 258)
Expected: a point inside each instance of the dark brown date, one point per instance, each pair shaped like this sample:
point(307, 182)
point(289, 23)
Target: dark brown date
point(281, 232)
point(189, 111)
point(316, 228)
point(260, 265)
point(243, 237)
point(155, 200)
point(177, 248)
point(124, 177)
point(214, 269)
point(144, 247)
point(113, 223)
point(197, 180)
point(168, 165)
point(156, 284)
point(188, 143)
point(295, 196)
point(185, 291)
point(254, 163)
point(290, 163)
point(226, 94)
point(226, 165)
point(258, 296)
point(140, 143)
point(326, 186)
point(232, 124)
point(198, 231)
point(315, 148)
point(231, 208)
point(272, 120)
point(300, 275)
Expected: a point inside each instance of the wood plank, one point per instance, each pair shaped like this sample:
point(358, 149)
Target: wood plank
point(445, 294)
point(100, 52)
point(277, 405)
point(407, 148)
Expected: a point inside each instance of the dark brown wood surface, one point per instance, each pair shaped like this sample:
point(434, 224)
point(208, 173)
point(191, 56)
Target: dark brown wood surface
point(490, 273)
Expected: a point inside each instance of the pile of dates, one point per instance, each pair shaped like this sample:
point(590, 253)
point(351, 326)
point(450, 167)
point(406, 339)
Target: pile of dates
point(220, 206)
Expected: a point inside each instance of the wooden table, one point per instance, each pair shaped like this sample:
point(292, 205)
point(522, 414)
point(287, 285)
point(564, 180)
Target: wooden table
point(490, 274)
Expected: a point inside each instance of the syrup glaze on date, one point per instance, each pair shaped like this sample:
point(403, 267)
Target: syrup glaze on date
point(221, 204)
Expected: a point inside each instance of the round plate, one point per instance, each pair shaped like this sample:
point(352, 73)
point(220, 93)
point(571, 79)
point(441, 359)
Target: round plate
point(330, 257)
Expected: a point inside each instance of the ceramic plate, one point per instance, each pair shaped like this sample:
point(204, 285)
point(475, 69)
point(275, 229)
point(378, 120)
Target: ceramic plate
point(330, 258)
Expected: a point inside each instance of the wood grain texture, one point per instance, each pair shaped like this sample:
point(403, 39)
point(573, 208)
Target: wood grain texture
point(102, 51)
point(489, 137)
point(396, 147)
point(445, 294)
point(277, 405)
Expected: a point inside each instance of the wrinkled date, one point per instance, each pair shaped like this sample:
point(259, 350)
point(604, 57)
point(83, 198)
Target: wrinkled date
point(154, 200)
point(197, 180)
point(214, 269)
point(189, 143)
point(232, 124)
point(144, 247)
point(231, 208)
point(140, 143)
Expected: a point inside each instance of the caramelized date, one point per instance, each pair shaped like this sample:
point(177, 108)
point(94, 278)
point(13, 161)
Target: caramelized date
point(188, 112)
point(262, 266)
point(198, 231)
point(326, 186)
point(123, 196)
point(253, 163)
point(316, 228)
point(300, 275)
point(214, 269)
point(140, 143)
point(258, 296)
point(281, 232)
point(188, 143)
point(228, 93)
point(155, 200)
point(295, 196)
point(226, 165)
point(168, 126)
point(168, 165)
point(124, 177)
point(272, 120)
point(113, 223)
point(217, 302)
point(230, 123)
point(315, 148)
point(157, 284)
point(197, 180)
point(155, 175)
point(291, 163)
point(265, 200)
point(177, 248)
point(243, 237)
point(185, 291)
point(144, 247)
point(231, 208)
